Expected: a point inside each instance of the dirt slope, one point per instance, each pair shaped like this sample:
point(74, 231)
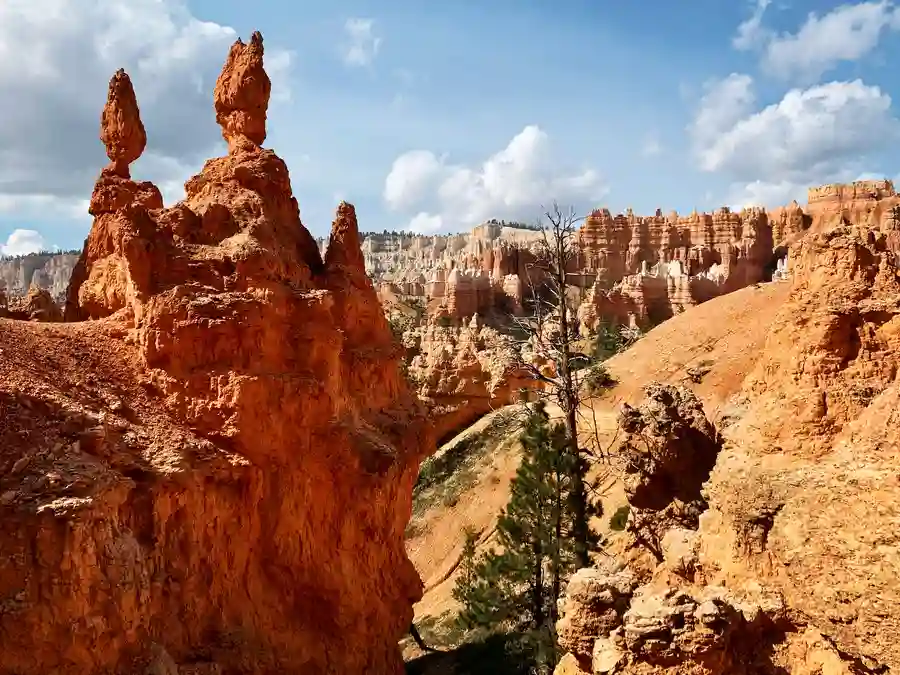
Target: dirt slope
point(722, 336)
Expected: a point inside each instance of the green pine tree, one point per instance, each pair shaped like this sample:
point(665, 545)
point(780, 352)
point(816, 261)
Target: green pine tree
point(608, 342)
point(517, 587)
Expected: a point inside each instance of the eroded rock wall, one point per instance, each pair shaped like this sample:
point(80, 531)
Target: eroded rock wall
point(214, 474)
point(792, 565)
point(463, 373)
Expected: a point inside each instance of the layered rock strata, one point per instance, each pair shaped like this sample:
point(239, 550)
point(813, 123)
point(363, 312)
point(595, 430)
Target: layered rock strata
point(37, 305)
point(793, 565)
point(634, 269)
point(214, 474)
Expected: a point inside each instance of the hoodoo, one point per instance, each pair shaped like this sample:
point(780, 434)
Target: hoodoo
point(209, 467)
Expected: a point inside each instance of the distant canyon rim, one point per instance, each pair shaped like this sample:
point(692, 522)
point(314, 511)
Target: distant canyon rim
point(647, 267)
point(455, 295)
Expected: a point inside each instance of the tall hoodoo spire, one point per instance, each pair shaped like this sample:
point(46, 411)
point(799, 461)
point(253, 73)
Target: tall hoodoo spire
point(121, 129)
point(242, 95)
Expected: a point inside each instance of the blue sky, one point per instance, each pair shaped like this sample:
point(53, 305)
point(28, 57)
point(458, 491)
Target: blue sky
point(676, 105)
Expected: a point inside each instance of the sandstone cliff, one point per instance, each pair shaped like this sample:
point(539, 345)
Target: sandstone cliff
point(50, 271)
point(634, 269)
point(793, 565)
point(213, 475)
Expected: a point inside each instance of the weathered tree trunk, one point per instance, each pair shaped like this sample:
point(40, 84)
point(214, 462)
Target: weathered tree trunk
point(570, 406)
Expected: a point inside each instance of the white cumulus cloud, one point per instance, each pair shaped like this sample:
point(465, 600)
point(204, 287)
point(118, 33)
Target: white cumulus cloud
point(412, 178)
point(820, 134)
point(20, 242)
point(513, 183)
point(847, 33)
point(362, 42)
point(56, 59)
point(752, 32)
point(425, 223)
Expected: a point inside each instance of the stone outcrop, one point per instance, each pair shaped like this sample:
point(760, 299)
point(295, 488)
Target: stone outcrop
point(788, 223)
point(37, 305)
point(637, 270)
point(793, 565)
point(465, 372)
point(634, 269)
point(214, 474)
point(242, 96)
point(121, 129)
point(648, 268)
point(458, 275)
point(669, 447)
point(864, 203)
point(595, 602)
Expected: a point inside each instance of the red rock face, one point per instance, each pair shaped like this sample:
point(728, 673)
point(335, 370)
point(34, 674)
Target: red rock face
point(259, 528)
point(664, 265)
point(37, 305)
point(604, 241)
point(802, 497)
point(788, 223)
point(466, 372)
point(104, 258)
point(618, 247)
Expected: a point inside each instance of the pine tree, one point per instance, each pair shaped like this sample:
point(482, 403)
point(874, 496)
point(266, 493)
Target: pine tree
point(517, 588)
point(608, 342)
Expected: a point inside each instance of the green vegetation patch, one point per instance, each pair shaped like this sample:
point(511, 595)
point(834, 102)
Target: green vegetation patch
point(619, 519)
point(445, 476)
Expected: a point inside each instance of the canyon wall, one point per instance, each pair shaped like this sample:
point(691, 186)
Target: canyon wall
point(630, 269)
point(50, 271)
point(787, 559)
point(213, 474)
point(463, 373)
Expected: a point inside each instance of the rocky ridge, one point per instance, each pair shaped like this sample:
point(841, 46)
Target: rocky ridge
point(214, 473)
point(631, 269)
point(788, 563)
point(37, 305)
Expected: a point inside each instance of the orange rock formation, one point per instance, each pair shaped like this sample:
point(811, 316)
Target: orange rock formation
point(793, 565)
point(213, 475)
point(647, 268)
point(636, 269)
point(37, 305)
point(465, 372)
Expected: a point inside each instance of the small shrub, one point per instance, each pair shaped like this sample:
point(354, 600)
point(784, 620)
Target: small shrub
point(597, 379)
point(619, 519)
point(629, 335)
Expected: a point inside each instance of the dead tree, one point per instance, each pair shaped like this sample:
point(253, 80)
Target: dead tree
point(551, 327)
